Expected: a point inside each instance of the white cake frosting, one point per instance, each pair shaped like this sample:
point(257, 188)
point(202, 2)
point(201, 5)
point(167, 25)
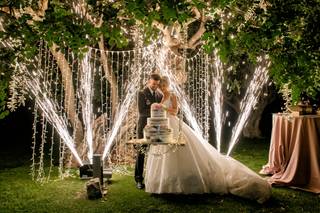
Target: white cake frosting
point(157, 122)
point(157, 128)
point(158, 111)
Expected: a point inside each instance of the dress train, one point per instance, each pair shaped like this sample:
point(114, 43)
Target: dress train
point(197, 168)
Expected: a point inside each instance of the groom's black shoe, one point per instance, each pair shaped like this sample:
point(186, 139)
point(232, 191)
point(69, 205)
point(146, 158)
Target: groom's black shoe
point(140, 185)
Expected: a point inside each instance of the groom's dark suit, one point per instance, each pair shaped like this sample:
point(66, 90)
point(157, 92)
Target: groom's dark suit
point(145, 99)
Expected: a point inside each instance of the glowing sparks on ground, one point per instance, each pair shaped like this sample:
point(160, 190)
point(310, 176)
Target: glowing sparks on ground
point(249, 101)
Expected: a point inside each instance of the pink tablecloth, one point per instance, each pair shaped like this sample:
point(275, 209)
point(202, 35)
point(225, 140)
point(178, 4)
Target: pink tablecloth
point(294, 155)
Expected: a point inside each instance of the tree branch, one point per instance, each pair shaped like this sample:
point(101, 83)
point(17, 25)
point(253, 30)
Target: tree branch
point(197, 16)
point(109, 75)
point(81, 9)
point(193, 41)
point(69, 99)
point(37, 15)
point(170, 40)
point(172, 34)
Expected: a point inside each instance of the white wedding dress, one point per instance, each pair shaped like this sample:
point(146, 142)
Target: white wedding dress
point(198, 168)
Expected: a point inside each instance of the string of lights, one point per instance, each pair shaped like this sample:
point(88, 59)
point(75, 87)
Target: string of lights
point(108, 121)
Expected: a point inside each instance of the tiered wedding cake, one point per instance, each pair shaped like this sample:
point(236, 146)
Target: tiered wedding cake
point(157, 128)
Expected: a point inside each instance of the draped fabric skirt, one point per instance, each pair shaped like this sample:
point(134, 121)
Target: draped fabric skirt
point(197, 168)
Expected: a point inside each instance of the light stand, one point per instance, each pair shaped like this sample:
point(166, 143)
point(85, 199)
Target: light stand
point(96, 173)
point(97, 168)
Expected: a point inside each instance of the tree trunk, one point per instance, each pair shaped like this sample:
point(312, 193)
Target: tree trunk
point(252, 129)
point(109, 75)
point(98, 133)
point(69, 98)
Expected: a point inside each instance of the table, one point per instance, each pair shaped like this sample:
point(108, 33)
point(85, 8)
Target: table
point(294, 154)
point(141, 145)
point(144, 142)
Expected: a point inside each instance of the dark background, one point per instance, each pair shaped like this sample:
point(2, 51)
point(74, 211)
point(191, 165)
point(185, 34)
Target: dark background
point(16, 137)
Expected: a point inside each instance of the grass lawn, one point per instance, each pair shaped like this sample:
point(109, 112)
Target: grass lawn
point(20, 194)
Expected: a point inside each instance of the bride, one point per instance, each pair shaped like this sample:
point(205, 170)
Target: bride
point(197, 167)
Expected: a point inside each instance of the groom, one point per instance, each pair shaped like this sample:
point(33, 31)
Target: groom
point(146, 97)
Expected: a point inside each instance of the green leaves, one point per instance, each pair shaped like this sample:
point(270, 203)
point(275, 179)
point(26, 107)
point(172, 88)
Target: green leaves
point(116, 38)
point(66, 29)
point(287, 31)
point(169, 12)
point(3, 98)
point(5, 72)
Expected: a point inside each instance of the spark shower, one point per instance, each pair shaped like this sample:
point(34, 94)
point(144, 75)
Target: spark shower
point(95, 111)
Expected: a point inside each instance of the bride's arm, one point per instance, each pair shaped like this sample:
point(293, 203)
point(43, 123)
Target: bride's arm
point(173, 110)
point(162, 100)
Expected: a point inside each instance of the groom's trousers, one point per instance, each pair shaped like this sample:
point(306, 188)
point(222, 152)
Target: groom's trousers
point(138, 172)
point(141, 149)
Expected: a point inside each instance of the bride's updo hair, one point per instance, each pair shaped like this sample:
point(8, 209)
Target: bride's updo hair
point(164, 81)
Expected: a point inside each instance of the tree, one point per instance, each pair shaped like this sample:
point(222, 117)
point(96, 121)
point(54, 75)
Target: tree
point(240, 30)
point(285, 30)
point(74, 25)
point(4, 82)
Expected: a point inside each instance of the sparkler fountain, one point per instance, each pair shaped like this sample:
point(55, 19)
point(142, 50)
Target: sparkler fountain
point(131, 91)
point(217, 82)
point(32, 82)
point(130, 67)
point(165, 70)
point(249, 101)
point(121, 113)
point(86, 94)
